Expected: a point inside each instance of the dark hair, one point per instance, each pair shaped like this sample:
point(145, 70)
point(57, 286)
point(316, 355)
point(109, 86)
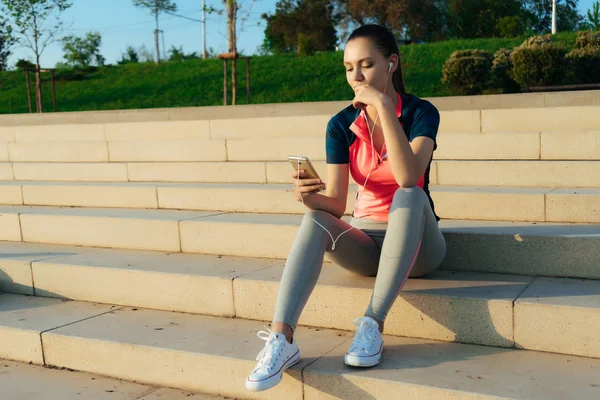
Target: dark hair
point(385, 42)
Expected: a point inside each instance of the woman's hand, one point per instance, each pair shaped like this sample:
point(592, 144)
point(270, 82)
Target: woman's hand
point(304, 187)
point(365, 95)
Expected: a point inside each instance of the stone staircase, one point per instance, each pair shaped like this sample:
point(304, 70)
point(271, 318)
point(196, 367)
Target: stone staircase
point(148, 246)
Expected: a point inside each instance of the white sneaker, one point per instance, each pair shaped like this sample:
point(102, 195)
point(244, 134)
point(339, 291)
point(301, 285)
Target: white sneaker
point(277, 356)
point(367, 345)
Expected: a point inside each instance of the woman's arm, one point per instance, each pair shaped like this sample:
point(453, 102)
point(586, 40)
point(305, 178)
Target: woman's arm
point(408, 160)
point(336, 193)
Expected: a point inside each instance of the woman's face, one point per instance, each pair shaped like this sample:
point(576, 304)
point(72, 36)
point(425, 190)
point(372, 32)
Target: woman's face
point(365, 65)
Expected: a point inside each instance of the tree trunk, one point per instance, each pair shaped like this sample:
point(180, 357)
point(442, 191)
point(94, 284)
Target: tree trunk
point(156, 47)
point(233, 82)
point(38, 86)
point(234, 26)
point(231, 24)
point(38, 81)
point(232, 44)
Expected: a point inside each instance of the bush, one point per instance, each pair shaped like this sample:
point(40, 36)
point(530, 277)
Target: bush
point(584, 65)
point(24, 64)
point(467, 71)
point(306, 45)
point(536, 41)
point(587, 39)
point(539, 65)
point(74, 74)
point(502, 76)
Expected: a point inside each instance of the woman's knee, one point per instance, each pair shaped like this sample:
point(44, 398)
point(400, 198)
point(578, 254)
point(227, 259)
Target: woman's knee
point(319, 216)
point(409, 198)
point(314, 221)
point(413, 193)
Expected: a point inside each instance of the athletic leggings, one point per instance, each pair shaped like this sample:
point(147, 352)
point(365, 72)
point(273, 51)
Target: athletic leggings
point(409, 244)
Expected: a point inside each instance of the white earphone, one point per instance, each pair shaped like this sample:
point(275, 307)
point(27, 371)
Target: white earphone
point(391, 65)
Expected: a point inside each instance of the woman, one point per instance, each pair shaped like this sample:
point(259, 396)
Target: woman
point(385, 139)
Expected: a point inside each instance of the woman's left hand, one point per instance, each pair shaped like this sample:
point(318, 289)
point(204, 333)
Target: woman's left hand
point(365, 95)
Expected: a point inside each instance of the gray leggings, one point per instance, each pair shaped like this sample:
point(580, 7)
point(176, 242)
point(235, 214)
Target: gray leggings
point(409, 244)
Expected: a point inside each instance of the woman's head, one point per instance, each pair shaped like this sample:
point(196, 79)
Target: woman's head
point(367, 56)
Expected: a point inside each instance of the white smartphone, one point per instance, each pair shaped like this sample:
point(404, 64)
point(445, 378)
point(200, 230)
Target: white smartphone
point(303, 163)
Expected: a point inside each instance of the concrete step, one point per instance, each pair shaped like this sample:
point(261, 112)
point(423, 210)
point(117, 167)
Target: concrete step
point(118, 151)
point(447, 306)
point(452, 202)
point(547, 119)
point(521, 113)
point(519, 173)
point(451, 146)
point(214, 355)
point(511, 173)
point(481, 246)
point(20, 381)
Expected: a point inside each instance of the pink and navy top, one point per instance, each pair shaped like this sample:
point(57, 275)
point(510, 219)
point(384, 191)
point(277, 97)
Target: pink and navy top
point(348, 142)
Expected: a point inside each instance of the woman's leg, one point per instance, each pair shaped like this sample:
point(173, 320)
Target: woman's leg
point(413, 246)
point(354, 250)
point(412, 240)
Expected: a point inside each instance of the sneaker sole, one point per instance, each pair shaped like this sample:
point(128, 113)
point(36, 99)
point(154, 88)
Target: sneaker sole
point(258, 386)
point(371, 361)
point(354, 361)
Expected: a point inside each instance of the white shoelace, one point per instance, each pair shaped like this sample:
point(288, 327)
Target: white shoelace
point(363, 340)
point(270, 352)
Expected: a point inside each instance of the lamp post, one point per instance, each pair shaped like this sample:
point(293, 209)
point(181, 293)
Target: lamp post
point(553, 17)
point(203, 30)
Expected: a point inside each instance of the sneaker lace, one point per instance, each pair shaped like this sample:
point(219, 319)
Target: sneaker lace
point(270, 352)
point(364, 335)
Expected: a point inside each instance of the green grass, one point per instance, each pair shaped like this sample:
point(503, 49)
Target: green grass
point(274, 79)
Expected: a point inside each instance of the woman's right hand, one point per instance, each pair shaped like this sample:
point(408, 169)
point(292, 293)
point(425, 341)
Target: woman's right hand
point(304, 187)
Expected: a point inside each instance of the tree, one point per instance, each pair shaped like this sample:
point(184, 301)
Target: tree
point(382, 12)
point(567, 16)
point(156, 7)
point(177, 54)
point(593, 15)
point(130, 56)
point(24, 64)
point(31, 18)
point(232, 10)
point(83, 51)
point(437, 19)
point(304, 26)
point(471, 19)
point(426, 20)
point(6, 41)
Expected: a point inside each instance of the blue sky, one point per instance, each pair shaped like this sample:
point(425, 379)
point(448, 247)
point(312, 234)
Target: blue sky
point(121, 24)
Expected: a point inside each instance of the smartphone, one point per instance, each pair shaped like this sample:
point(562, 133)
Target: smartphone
point(303, 163)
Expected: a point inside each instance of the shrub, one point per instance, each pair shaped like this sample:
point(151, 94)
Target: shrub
point(535, 41)
point(584, 65)
point(502, 76)
point(23, 64)
point(468, 71)
point(539, 64)
point(587, 39)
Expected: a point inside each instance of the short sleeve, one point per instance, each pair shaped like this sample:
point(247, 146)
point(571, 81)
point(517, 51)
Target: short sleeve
point(426, 122)
point(336, 143)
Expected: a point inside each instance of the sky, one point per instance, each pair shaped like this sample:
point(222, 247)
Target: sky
point(121, 24)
